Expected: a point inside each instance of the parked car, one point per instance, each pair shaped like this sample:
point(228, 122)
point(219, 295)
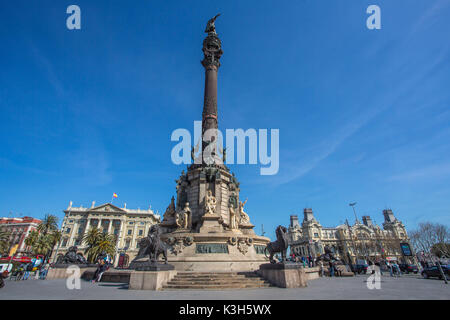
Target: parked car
point(407, 268)
point(360, 268)
point(433, 271)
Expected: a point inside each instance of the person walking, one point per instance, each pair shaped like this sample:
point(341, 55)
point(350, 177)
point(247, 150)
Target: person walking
point(389, 265)
point(397, 270)
point(28, 269)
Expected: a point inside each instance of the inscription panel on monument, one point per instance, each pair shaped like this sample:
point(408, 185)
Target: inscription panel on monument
point(259, 249)
point(211, 248)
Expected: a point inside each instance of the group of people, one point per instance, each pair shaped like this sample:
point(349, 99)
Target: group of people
point(394, 269)
point(332, 269)
point(24, 270)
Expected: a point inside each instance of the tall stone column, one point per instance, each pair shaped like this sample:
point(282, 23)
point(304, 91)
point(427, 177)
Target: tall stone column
point(212, 50)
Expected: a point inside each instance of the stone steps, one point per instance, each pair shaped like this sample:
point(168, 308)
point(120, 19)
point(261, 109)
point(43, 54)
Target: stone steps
point(216, 280)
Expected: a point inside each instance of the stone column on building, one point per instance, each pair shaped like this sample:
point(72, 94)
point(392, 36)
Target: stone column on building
point(118, 243)
point(110, 225)
point(133, 244)
point(71, 236)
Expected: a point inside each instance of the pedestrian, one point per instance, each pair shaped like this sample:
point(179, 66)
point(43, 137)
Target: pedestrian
point(331, 269)
point(28, 269)
point(102, 267)
point(20, 272)
point(389, 265)
point(397, 270)
point(43, 272)
point(321, 268)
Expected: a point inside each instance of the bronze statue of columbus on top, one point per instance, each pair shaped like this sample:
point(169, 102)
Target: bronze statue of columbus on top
point(210, 26)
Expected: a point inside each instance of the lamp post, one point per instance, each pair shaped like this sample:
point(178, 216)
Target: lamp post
point(352, 204)
point(353, 242)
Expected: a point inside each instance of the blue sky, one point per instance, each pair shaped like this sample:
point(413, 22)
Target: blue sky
point(363, 114)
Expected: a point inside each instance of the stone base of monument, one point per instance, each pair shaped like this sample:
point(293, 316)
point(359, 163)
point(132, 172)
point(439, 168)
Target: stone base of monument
point(284, 275)
point(312, 273)
point(58, 271)
point(150, 280)
point(224, 251)
point(150, 275)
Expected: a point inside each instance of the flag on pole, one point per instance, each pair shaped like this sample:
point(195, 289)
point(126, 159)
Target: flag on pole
point(114, 195)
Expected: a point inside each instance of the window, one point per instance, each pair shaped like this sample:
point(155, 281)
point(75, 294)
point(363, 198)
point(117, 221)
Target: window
point(316, 234)
point(80, 230)
point(142, 222)
point(70, 221)
point(67, 230)
point(64, 242)
point(140, 232)
point(129, 231)
point(131, 222)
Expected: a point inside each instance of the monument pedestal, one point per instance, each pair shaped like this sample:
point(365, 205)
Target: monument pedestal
point(284, 275)
point(150, 280)
point(59, 271)
point(211, 224)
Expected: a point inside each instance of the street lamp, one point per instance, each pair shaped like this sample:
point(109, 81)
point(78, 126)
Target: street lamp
point(352, 204)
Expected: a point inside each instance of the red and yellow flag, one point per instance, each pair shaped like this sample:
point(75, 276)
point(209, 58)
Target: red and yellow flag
point(114, 195)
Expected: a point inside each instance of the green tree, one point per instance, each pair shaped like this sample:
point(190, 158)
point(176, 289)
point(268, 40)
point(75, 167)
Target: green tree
point(31, 239)
point(48, 224)
point(98, 242)
point(45, 237)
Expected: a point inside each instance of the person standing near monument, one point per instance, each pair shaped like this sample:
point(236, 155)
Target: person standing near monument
point(321, 268)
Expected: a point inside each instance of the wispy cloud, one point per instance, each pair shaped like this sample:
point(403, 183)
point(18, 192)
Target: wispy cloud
point(428, 172)
point(295, 169)
point(48, 68)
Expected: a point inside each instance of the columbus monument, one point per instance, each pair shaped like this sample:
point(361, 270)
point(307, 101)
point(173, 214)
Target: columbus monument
point(205, 225)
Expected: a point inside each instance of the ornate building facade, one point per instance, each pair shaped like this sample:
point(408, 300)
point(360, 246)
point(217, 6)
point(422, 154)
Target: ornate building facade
point(361, 241)
point(19, 229)
point(128, 225)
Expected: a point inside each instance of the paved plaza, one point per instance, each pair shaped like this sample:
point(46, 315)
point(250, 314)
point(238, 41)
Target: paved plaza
point(405, 287)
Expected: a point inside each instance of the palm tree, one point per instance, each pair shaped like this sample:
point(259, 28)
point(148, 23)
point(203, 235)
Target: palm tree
point(53, 238)
point(106, 243)
point(98, 242)
point(31, 239)
point(42, 246)
point(90, 239)
point(49, 224)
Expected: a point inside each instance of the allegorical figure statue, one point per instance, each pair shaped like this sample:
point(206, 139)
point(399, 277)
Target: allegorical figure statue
point(280, 245)
point(233, 220)
point(186, 216)
point(210, 26)
point(244, 218)
point(210, 203)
